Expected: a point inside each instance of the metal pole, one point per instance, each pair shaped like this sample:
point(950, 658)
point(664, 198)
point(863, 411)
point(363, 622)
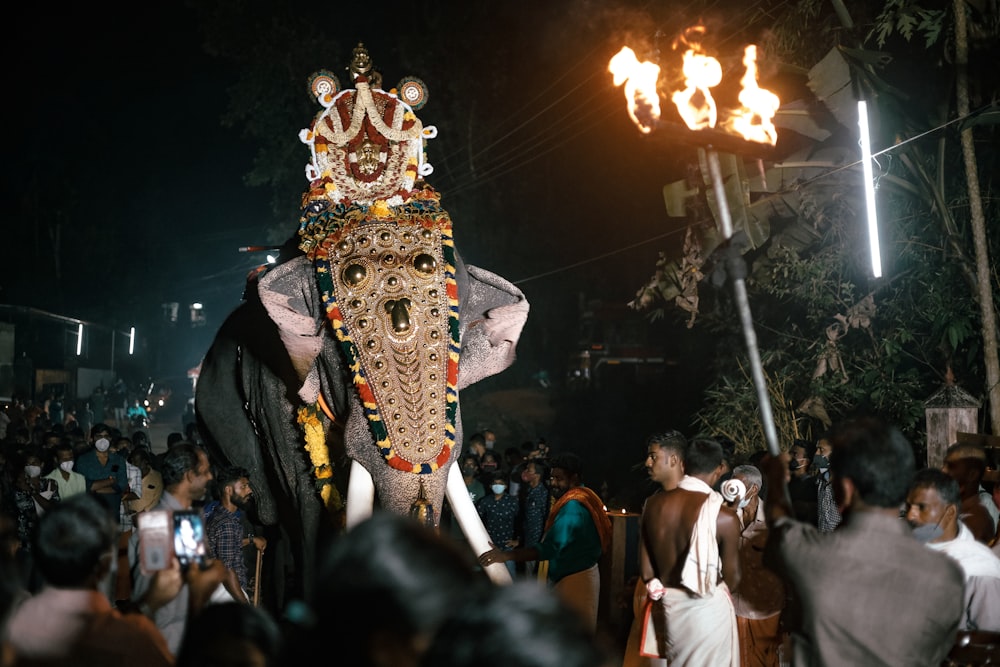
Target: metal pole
point(743, 305)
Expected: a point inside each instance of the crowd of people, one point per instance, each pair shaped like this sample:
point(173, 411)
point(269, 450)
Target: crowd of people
point(840, 551)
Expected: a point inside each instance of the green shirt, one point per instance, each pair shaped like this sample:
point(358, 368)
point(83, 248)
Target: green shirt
point(572, 544)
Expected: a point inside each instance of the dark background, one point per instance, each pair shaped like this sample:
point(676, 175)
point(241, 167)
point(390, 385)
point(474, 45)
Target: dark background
point(136, 140)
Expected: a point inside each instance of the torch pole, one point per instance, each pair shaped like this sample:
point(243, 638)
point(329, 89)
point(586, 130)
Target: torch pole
point(737, 270)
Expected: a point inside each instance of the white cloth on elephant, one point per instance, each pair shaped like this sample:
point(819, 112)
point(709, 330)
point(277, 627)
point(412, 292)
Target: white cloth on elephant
point(489, 341)
point(299, 317)
point(700, 573)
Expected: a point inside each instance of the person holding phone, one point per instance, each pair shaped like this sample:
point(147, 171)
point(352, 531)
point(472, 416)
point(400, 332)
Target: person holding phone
point(104, 470)
point(186, 475)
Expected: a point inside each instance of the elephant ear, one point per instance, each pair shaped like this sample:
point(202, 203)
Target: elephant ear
point(493, 313)
point(291, 299)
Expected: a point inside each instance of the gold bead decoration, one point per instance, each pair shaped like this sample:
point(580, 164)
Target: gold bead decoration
point(355, 274)
point(424, 263)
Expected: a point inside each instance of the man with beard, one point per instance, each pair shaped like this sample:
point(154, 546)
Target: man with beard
point(577, 532)
point(186, 474)
point(224, 532)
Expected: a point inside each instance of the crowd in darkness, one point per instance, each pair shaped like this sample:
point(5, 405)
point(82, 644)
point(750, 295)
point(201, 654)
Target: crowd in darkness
point(840, 551)
point(75, 590)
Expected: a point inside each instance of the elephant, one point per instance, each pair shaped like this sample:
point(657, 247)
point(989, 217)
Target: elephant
point(348, 355)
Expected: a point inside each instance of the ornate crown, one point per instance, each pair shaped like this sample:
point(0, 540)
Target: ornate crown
point(367, 144)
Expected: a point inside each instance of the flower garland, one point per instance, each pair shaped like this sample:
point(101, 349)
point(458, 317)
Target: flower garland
point(321, 224)
point(424, 211)
point(319, 456)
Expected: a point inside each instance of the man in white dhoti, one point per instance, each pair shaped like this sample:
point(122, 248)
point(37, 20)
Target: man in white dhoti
point(692, 542)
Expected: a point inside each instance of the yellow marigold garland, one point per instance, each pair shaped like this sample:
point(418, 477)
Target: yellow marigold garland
point(319, 455)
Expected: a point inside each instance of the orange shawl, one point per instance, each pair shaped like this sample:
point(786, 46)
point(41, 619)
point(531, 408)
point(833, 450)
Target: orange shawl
point(594, 505)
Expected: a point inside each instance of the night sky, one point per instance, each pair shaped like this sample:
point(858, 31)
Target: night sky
point(119, 146)
point(125, 189)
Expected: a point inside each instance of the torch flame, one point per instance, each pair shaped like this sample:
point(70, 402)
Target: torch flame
point(701, 72)
point(753, 120)
point(695, 104)
point(640, 87)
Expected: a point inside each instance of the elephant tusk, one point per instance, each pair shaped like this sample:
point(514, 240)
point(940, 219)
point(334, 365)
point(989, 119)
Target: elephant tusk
point(360, 495)
point(472, 525)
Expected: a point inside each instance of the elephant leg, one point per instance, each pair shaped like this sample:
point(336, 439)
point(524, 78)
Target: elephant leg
point(472, 525)
point(360, 495)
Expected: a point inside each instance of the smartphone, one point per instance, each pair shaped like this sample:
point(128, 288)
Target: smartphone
point(154, 540)
point(189, 537)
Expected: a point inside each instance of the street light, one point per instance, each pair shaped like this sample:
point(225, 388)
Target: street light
point(79, 339)
point(866, 167)
point(131, 344)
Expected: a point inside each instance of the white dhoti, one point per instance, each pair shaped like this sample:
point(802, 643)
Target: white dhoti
point(695, 631)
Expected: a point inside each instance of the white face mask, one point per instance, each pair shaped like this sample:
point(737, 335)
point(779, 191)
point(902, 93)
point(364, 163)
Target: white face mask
point(66, 466)
point(498, 488)
point(33, 471)
point(102, 444)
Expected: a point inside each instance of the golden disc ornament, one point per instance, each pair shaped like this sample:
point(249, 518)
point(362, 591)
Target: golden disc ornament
point(324, 85)
point(413, 92)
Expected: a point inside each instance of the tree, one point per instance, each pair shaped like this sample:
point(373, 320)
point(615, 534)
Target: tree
point(835, 341)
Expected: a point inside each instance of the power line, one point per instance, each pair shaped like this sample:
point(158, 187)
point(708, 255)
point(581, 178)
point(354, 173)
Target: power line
point(631, 246)
point(597, 258)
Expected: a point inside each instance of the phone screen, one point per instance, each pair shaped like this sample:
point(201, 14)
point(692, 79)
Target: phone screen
point(154, 540)
point(189, 537)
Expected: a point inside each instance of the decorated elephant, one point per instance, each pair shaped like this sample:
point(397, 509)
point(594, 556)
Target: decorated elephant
point(350, 352)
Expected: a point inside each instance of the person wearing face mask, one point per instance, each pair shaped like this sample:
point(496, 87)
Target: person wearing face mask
point(827, 515)
point(577, 534)
point(489, 439)
point(499, 512)
point(802, 483)
point(966, 464)
point(760, 598)
point(489, 465)
point(932, 508)
point(33, 496)
point(66, 478)
point(470, 474)
point(105, 471)
point(869, 593)
point(469, 465)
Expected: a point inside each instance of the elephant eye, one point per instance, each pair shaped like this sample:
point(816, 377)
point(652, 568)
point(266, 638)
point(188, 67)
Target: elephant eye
point(317, 206)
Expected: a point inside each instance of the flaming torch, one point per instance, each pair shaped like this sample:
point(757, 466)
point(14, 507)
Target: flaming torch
point(744, 130)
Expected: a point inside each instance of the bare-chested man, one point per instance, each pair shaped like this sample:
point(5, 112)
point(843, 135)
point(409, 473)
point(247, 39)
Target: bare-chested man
point(665, 467)
point(692, 542)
